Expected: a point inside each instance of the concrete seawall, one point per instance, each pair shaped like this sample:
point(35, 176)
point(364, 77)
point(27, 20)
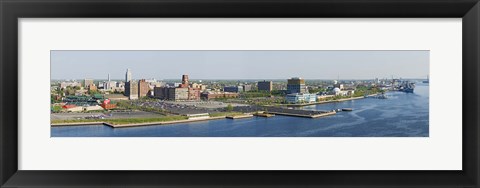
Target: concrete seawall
point(304, 115)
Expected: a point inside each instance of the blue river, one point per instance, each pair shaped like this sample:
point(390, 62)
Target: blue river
point(401, 115)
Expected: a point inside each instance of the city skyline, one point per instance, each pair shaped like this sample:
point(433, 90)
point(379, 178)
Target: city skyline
point(240, 65)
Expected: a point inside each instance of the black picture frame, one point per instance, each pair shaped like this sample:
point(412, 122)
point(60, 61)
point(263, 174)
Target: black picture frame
point(11, 10)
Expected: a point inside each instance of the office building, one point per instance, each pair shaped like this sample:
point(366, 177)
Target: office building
point(296, 85)
point(264, 86)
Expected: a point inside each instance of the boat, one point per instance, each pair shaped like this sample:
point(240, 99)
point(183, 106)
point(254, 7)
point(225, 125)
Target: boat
point(407, 87)
point(347, 109)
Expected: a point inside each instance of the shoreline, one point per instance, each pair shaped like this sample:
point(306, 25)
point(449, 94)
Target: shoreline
point(332, 101)
point(104, 123)
point(210, 118)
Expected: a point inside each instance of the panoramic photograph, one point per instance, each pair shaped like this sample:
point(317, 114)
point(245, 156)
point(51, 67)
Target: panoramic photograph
point(240, 93)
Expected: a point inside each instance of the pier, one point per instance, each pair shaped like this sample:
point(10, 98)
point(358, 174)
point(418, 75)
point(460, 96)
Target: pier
point(239, 116)
point(263, 114)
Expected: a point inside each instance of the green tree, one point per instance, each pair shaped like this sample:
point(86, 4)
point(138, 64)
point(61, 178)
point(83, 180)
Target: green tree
point(229, 108)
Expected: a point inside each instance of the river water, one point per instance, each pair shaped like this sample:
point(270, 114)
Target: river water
point(401, 115)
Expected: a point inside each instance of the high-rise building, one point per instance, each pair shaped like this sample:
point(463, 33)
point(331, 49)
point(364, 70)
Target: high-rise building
point(131, 90)
point(296, 85)
point(265, 86)
point(128, 76)
point(143, 88)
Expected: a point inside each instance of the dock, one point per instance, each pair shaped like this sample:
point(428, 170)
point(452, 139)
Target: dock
point(239, 116)
point(266, 115)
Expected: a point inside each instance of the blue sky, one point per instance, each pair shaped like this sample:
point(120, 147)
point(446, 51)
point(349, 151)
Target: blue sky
point(240, 64)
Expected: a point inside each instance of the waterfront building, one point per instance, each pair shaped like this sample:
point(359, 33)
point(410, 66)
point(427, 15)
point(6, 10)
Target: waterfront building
point(143, 88)
point(338, 92)
point(296, 85)
point(87, 82)
point(301, 98)
point(234, 89)
point(265, 86)
point(324, 97)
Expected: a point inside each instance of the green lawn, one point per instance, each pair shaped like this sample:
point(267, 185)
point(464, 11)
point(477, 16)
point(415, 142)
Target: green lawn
point(225, 114)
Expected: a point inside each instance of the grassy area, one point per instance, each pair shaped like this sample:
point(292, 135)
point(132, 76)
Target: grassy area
point(57, 121)
point(124, 121)
point(225, 114)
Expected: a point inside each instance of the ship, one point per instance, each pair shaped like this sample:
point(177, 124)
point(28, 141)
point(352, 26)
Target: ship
point(407, 87)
